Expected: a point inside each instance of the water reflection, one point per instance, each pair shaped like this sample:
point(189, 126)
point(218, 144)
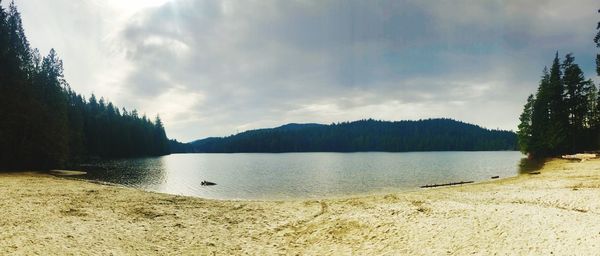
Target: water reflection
point(149, 173)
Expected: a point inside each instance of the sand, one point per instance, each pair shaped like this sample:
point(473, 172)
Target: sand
point(555, 212)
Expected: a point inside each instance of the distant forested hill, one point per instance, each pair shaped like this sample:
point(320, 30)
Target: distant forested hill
point(364, 135)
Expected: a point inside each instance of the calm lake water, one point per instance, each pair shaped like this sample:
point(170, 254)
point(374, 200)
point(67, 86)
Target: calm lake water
point(302, 175)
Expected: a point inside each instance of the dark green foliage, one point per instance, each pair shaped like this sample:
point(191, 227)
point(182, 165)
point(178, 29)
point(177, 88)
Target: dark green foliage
point(525, 130)
point(563, 116)
point(364, 135)
point(110, 133)
point(44, 124)
point(579, 102)
point(51, 126)
point(597, 41)
point(179, 147)
point(558, 117)
point(540, 118)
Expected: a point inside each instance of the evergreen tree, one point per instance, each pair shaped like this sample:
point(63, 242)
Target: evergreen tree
point(18, 41)
point(6, 92)
point(20, 108)
point(76, 119)
point(595, 114)
point(4, 42)
point(162, 143)
point(540, 118)
point(596, 118)
point(559, 120)
point(597, 41)
point(578, 101)
point(525, 130)
point(52, 136)
point(45, 124)
point(565, 114)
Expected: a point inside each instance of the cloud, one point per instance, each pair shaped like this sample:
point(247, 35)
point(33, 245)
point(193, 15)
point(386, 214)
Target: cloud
point(212, 68)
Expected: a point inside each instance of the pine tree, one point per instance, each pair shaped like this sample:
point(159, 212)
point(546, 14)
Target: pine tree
point(565, 115)
point(540, 118)
point(160, 137)
point(596, 118)
point(6, 125)
point(597, 41)
point(47, 125)
point(53, 139)
point(579, 101)
point(525, 130)
point(559, 116)
point(18, 41)
point(76, 120)
point(592, 114)
point(20, 107)
point(4, 42)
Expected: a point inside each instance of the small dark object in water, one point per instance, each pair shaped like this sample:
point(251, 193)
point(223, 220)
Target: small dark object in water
point(207, 183)
point(495, 177)
point(535, 173)
point(446, 184)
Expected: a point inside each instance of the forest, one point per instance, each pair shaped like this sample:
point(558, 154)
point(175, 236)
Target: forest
point(362, 135)
point(45, 124)
point(564, 114)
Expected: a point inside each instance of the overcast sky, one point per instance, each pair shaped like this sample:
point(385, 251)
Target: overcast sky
point(213, 68)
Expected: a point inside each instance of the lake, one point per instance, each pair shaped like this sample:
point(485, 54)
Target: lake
point(301, 175)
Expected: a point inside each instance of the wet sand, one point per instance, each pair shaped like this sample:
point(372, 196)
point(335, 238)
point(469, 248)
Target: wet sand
point(555, 212)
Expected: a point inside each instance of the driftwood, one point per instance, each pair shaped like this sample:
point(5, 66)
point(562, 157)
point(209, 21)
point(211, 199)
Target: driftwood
point(207, 183)
point(581, 157)
point(446, 184)
point(535, 173)
point(66, 173)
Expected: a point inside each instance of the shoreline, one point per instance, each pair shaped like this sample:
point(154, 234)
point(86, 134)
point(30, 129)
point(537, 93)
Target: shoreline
point(554, 212)
point(381, 192)
point(378, 193)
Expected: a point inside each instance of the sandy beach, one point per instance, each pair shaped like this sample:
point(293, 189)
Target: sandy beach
point(555, 212)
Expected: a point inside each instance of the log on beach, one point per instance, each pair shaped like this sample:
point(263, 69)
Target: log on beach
point(446, 184)
point(582, 157)
point(207, 183)
point(66, 172)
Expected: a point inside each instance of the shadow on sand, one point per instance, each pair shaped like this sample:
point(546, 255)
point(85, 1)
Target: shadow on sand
point(527, 165)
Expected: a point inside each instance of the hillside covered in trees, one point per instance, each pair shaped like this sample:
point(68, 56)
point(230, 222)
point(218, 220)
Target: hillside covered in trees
point(363, 135)
point(564, 114)
point(45, 124)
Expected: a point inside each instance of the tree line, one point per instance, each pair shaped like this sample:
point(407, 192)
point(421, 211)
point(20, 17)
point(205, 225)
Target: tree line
point(45, 124)
point(564, 114)
point(363, 135)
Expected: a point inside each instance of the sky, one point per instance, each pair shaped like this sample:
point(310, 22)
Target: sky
point(214, 68)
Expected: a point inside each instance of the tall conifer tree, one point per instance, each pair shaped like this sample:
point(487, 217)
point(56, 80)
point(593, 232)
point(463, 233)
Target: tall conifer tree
point(597, 41)
point(559, 116)
point(525, 132)
point(578, 102)
point(47, 125)
point(540, 118)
